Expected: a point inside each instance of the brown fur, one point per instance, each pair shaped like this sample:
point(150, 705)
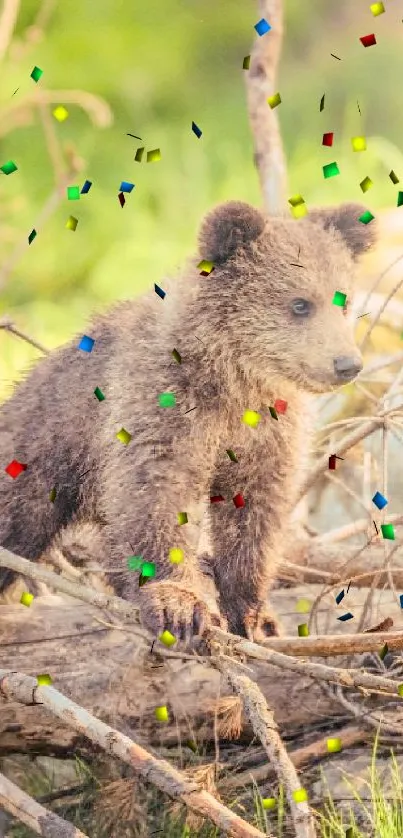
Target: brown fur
point(242, 347)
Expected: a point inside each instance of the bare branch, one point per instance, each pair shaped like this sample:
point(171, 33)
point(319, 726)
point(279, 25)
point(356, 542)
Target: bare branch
point(8, 20)
point(28, 811)
point(8, 326)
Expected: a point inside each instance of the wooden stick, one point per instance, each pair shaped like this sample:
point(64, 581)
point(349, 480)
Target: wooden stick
point(23, 688)
point(28, 811)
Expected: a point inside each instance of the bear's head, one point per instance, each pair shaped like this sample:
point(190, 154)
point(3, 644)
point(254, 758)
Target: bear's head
point(273, 294)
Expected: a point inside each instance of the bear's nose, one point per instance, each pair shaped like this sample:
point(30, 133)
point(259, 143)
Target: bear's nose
point(347, 367)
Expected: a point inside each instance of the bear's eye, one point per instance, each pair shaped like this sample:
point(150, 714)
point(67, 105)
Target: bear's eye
point(301, 307)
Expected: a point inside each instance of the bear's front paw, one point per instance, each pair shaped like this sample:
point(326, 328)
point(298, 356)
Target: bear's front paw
point(261, 624)
point(166, 605)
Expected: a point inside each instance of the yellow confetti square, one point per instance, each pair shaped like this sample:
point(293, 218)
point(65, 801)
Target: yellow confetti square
point(154, 156)
point(366, 184)
point(71, 223)
point(26, 598)
point(303, 630)
point(275, 100)
point(400, 690)
point(123, 436)
point(377, 9)
point(269, 802)
point(161, 714)
point(251, 418)
point(303, 606)
point(300, 795)
point(176, 555)
point(300, 210)
point(44, 680)
point(334, 745)
point(359, 143)
point(167, 638)
point(60, 113)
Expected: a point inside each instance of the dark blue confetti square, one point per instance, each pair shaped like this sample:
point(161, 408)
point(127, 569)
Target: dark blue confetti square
point(379, 500)
point(86, 188)
point(340, 596)
point(196, 130)
point(344, 617)
point(159, 291)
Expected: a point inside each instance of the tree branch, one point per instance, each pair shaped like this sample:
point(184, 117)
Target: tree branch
point(28, 811)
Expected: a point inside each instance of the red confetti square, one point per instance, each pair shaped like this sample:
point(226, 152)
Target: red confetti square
point(121, 199)
point(15, 468)
point(328, 139)
point(238, 501)
point(216, 499)
point(332, 462)
point(368, 40)
point(280, 406)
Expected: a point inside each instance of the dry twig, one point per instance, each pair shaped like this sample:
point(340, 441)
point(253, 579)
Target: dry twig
point(21, 806)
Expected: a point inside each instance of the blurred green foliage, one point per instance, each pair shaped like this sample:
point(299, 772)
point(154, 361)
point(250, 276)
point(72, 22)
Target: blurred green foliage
point(159, 66)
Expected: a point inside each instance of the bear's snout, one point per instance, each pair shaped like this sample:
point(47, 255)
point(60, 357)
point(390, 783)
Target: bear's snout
point(347, 367)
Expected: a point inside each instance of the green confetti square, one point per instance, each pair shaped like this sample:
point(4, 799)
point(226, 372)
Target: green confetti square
point(182, 518)
point(300, 795)
point(32, 236)
point(99, 394)
point(274, 101)
point(73, 193)
point(72, 223)
point(231, 455)
point(269, 802)
point(366, 184)
point(330, 170)
point(52, 495)
point(273, 413)
point(9, 167)
point(339, 299)
point(295, 200)
point(303, 630)
point(139, 154)
point(400, 690)
point(123, 436)
point(384, 651)
point(176, 356)
point(399, 199)
point(366, 217)
point(135, 562)
point(334, 746)
point(26, 598)
point(167, 638)
point(148, 569)
point(167, 400)
point(153, 156)
point(36, 74)
point(388, 531)
point(246, 62)
point(44, 680)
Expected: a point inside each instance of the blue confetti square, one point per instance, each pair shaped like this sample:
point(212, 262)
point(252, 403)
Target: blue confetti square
point(344, 617)
point(401, 600)
point(196, 130)
point(125, 186)
point(87, 186)
point(262, 26)
point(339, 597)
point(161, 293)
point(379, 500)
point(86, 343)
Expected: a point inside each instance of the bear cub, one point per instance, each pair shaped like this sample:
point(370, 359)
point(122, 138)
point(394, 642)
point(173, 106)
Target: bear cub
point(261, 326)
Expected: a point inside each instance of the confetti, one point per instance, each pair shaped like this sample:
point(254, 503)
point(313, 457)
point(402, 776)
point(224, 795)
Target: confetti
point(52, 495)
point(177, 356)
point(251, 418)
point(400, 690)
point(176, 555)
point(60, 113)
point(269, 802)
point(401, 600)
point(300, 795)
point(9, 167)
point(332, 462)
point(379, 500)
point(335, 56)
point(238, 501)
point(14, 469)
point(303, 606)
point(274, 101)
point(161, 714)
point(298, 206)
point(366, 217)
point(366, 184)
point(339, 299)
point(339, 597)
point(399, 199)
point(72, 223)
point(280, 406)
point(368, 40)
point(148, 569)
point(159, 291)
point(262, 26)
point(273, 413)
point(388, 531)
point(167, 400)
point(99, 394)
point(32, 236)
point(135, 562)
point(328, 139)
point(86, 343)
point(86, 188)
point(182, 518)
point(36, 74)
point(394, 178)
point(322, 104)
point(377, 9)
point(122, 199)
point(126, 186)
point(206, 267)
point(231, 455)
point(334, 745)
point(216, 499)
point(303, 630)
point(154, 156)
point(196, 130)
point(26, 598)
point(359, 143)
point(73, 193)
point(44, 680)
point(330, 170)
point(123, 436)
point(246, 62)
point(167, 638)
point(384, 651)
point(345, 617)
point(139, 154)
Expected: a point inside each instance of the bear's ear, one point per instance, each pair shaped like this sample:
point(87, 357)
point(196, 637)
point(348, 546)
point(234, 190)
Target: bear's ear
point(357, 236)
point(227, 228)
